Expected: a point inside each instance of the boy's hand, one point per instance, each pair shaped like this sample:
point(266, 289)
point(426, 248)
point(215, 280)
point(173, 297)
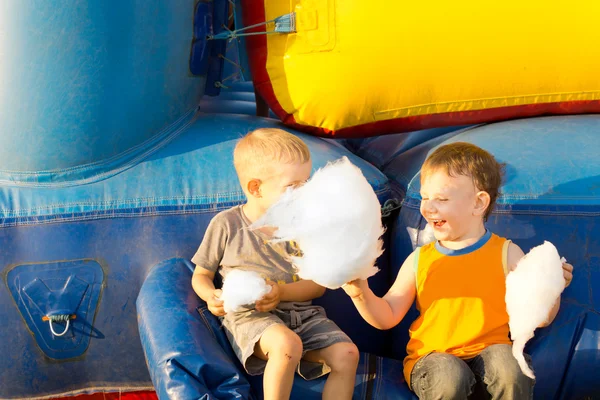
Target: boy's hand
point(355, 288)
point(567, 273)
point(270, 300)
point(215, 306)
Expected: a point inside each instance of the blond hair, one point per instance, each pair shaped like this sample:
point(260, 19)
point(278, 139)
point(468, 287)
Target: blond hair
point(463, 158)
point(256, 152)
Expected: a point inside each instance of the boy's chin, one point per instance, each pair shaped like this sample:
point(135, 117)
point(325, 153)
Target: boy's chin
point(441, 236)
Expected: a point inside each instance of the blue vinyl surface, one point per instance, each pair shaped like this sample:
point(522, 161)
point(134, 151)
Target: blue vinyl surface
point(70, 288)
point(192, 358)
point(113, 162)
point(86, 81)
point(551, 193)
point(156, 208)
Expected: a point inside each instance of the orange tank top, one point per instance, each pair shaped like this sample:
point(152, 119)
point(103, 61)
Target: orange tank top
point(460, 297)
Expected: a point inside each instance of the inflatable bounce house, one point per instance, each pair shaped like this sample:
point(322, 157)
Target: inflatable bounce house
point(117, 126)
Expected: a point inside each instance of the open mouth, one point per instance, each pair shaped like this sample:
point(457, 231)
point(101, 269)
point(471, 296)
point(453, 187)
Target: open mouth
point(438, 223)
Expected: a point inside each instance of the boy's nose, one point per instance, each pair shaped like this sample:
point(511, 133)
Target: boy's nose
point(426, 207)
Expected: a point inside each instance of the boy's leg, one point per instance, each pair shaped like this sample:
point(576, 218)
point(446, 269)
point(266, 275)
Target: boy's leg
point(501, 373)
point(342, 358)
point(442, 376)
point(282, 349)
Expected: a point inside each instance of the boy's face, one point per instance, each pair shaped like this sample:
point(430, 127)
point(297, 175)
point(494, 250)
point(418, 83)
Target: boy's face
point(283, 176)
point(450, 205)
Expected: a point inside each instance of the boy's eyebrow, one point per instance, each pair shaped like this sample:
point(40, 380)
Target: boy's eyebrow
point(434, 193)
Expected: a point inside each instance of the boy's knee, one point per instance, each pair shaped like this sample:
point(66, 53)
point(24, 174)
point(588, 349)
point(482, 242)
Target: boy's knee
point(454, 386)
point(344, 357)
point(501, 368)
point(452, 390)
point(510, 376)
point(288, 346)
point(510, 382)
point(502, 374)
point(442, 376)
point(444, 386)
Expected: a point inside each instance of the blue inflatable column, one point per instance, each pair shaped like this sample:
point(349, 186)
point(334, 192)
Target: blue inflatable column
point(82, 82)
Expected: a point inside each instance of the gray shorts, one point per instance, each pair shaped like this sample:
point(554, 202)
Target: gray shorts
point(244, 329)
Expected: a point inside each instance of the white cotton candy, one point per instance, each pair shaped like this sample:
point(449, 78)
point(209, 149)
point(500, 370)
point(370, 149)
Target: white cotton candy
point(427, 235)
point(335, 219)
point(531, 291)
point(242, 288)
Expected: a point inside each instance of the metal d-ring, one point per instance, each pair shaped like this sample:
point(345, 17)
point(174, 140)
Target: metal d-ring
point(59, 318)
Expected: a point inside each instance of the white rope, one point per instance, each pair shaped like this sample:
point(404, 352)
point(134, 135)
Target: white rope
point(52, 327)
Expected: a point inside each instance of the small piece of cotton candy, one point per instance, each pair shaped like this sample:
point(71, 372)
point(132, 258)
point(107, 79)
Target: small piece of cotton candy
point(531, 291)
point(242, 288)
point(335, 218)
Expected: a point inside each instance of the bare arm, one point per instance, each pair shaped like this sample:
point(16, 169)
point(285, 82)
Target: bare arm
point(297, 291)
point(202, 283)
point(386, 312)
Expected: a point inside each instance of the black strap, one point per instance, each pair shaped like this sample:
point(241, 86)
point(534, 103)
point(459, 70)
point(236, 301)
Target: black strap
point(371, 375)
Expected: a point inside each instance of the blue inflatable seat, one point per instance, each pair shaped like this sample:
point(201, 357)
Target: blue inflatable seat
point(551, 192)
point(189, 356)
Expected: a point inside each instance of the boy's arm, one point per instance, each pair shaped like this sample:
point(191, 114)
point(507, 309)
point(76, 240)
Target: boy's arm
point(207, 260)
point(202, 283)
point(386, 312)
point(296, 291)
point(515, 254)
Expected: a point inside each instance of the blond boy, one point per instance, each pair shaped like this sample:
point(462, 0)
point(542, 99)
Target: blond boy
point(461, 337)
point(283, 331)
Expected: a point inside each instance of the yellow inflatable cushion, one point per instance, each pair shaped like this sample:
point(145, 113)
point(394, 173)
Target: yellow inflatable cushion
point(359, 68)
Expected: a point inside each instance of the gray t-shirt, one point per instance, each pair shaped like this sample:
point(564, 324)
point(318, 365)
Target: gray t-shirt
point(229, 244)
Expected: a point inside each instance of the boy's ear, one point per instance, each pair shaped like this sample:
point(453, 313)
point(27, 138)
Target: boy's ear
point(482, 202)
point(254, 187)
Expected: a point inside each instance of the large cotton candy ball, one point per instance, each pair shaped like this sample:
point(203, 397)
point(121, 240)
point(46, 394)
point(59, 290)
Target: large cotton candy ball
point(335, 219)
point(531, 291)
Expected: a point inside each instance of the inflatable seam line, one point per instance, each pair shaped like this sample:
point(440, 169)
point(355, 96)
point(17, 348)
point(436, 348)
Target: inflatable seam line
point(99, 170)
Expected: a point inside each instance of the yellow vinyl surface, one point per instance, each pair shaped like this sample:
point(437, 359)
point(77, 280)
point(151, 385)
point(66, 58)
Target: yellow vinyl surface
point(358, 62)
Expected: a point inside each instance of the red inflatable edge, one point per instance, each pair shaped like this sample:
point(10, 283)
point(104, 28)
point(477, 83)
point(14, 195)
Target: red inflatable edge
point(409, 124)
point(253, 12)
point(140, 395)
